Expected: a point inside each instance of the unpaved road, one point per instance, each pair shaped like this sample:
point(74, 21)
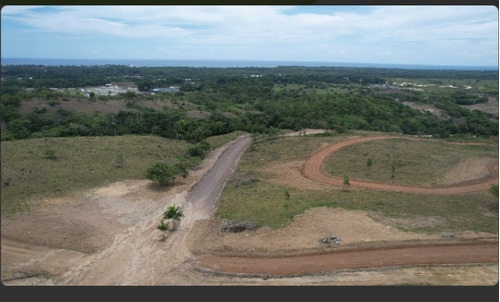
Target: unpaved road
point(313, 169)
point(465, 252)
point(456, 253)
point(203, 198)
point(109, 237)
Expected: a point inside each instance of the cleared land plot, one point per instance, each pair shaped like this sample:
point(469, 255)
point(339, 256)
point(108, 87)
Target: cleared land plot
point(421, 162)
point(279, 192)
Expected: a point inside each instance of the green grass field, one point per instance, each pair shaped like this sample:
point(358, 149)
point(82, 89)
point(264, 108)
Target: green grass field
point(403, 161)
point(48, 167)
point(266, 204)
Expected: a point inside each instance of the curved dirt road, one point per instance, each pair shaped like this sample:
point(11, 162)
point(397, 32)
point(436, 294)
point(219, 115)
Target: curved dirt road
point(312, 169)
point(472, 251)
point(110, 238)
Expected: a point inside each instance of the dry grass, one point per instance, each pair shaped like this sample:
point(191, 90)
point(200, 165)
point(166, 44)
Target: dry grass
point(421, 162)
point(77, 163)
point(266, 204)
point(47, 167)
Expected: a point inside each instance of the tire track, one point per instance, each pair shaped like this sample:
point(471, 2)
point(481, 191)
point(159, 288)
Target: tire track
point(460, 253)
point(464, 252)
point(313, 169)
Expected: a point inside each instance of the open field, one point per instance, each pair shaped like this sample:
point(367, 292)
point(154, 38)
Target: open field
point(79, 163)
point(36, 169)
point(422, 162)
point(277, 164)
point(108, 234)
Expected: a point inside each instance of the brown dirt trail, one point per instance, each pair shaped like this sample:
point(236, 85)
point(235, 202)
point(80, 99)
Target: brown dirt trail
point(108, 236)
point(313, 169)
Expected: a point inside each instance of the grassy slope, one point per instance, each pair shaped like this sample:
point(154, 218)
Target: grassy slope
point(421, 163)
point(266, 204)
point(84, 162)
point(80, 163)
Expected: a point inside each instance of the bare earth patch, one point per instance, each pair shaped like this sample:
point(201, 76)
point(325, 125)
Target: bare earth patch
point(302, 235)
point(108, 236)
point(289, 174)
point(472, 169)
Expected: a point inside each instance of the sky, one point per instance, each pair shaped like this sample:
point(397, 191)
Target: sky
point(427, 35)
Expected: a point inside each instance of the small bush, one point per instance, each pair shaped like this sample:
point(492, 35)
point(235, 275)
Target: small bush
point(494, 190)
point(53, 103)
point(173, 212)
point(287, 194)
point(200, 150)
point(50, 154)
point(162, 226)
point(119, 160)
point(161, 172)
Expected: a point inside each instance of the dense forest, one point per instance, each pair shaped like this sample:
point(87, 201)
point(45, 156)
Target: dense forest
point(251, 99)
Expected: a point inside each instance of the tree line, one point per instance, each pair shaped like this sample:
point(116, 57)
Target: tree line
point(245, 99)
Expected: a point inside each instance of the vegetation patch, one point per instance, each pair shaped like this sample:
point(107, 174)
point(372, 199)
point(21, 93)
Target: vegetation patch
point(420, 162)
point(265, 204)
point(34, 169)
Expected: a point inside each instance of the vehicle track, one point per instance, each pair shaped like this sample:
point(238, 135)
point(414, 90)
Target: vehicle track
point(313, 169)
point(401, 255)
point(471, 251)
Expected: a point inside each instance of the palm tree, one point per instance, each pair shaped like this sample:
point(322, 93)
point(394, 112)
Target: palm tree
point(173, 213)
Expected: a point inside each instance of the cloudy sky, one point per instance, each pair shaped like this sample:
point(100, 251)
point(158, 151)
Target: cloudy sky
point(430, 35)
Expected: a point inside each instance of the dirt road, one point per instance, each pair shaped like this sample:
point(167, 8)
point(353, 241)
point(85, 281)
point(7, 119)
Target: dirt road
point(203, 197)
point(403, 255)
point(464, 252)
point(109, 237)
point(313, 169)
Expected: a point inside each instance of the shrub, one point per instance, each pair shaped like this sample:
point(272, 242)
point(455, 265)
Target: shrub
point(287, 194)
point(161, 172)
point(200, 150)
point(50, 153)
point(162, 226)
point(494, 190)
point(173, 212)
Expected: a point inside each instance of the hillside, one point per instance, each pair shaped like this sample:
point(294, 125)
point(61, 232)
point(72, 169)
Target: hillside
point(108, 235)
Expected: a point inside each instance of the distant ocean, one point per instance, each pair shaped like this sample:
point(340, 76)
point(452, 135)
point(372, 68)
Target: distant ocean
point(224, 63)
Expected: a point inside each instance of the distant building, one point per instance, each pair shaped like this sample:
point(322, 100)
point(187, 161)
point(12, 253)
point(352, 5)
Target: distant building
point(169, 89)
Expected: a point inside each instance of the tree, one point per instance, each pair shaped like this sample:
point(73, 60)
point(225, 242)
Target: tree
point(199, 150)
point(287, 194)
point(347, 183)
point(174, 213)
point(180, 127)
point(182, 166)
point(161, 172)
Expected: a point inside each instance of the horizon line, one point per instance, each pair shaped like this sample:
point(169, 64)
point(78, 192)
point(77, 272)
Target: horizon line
point(245, 60)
